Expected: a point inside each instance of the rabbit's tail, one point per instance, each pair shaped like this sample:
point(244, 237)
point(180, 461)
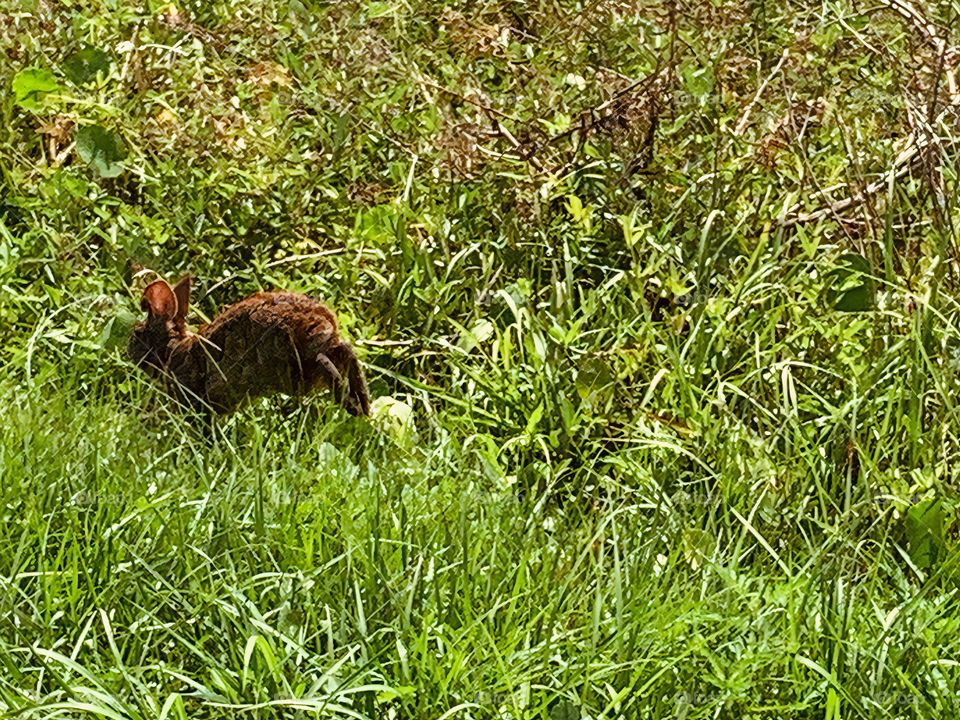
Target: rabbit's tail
point(357, 400)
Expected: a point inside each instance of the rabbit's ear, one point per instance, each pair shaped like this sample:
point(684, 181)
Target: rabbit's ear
point(159, 300)
point(182, 292)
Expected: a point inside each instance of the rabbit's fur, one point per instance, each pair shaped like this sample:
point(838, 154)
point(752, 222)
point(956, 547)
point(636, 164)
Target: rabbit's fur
point(271, 342)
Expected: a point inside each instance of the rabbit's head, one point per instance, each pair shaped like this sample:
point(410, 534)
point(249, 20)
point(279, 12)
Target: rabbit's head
point(166, 309)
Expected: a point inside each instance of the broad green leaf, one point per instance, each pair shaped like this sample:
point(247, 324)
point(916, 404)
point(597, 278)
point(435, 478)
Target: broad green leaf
point(401, 692)
point(380, 9)
point(117, 330)
point(83, 66)
point(593, 374)
point(850, 286)
point(924, 530)
point(533, 421)
point(101, 149)
point(698, 81)
point(31, 87)
point(563, 709)
point(476, 335)
point(395, 417)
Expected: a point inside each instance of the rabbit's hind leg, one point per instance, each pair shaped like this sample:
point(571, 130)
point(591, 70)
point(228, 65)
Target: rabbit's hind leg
point(356, 397)
point(337, 385)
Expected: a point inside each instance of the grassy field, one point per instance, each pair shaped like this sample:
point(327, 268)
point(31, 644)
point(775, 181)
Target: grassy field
point(657, 303)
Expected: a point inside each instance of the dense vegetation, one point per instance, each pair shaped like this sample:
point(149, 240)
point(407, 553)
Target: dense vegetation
point(657, 300)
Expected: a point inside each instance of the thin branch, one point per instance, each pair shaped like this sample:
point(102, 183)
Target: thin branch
point(901, 166)
point(931, 34)
point(502, 129)
point(469, 99)
point(745, 118)
point(645, 83)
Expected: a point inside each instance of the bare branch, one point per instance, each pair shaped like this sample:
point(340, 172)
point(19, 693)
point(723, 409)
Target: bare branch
point(914, 144)
point(745, 118)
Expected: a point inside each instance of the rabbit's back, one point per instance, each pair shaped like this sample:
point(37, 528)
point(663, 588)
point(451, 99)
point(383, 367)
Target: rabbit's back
point(302, 316)
point(266, 343)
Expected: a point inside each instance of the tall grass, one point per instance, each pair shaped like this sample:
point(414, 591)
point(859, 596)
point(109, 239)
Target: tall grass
point(643, 447)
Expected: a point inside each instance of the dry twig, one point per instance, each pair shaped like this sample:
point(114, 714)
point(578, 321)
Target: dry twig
point(745, 118)
point(914, 144)
point(950, 56)
point(921, 136)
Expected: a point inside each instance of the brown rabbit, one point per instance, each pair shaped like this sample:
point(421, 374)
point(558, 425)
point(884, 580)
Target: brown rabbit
point(271, 342)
